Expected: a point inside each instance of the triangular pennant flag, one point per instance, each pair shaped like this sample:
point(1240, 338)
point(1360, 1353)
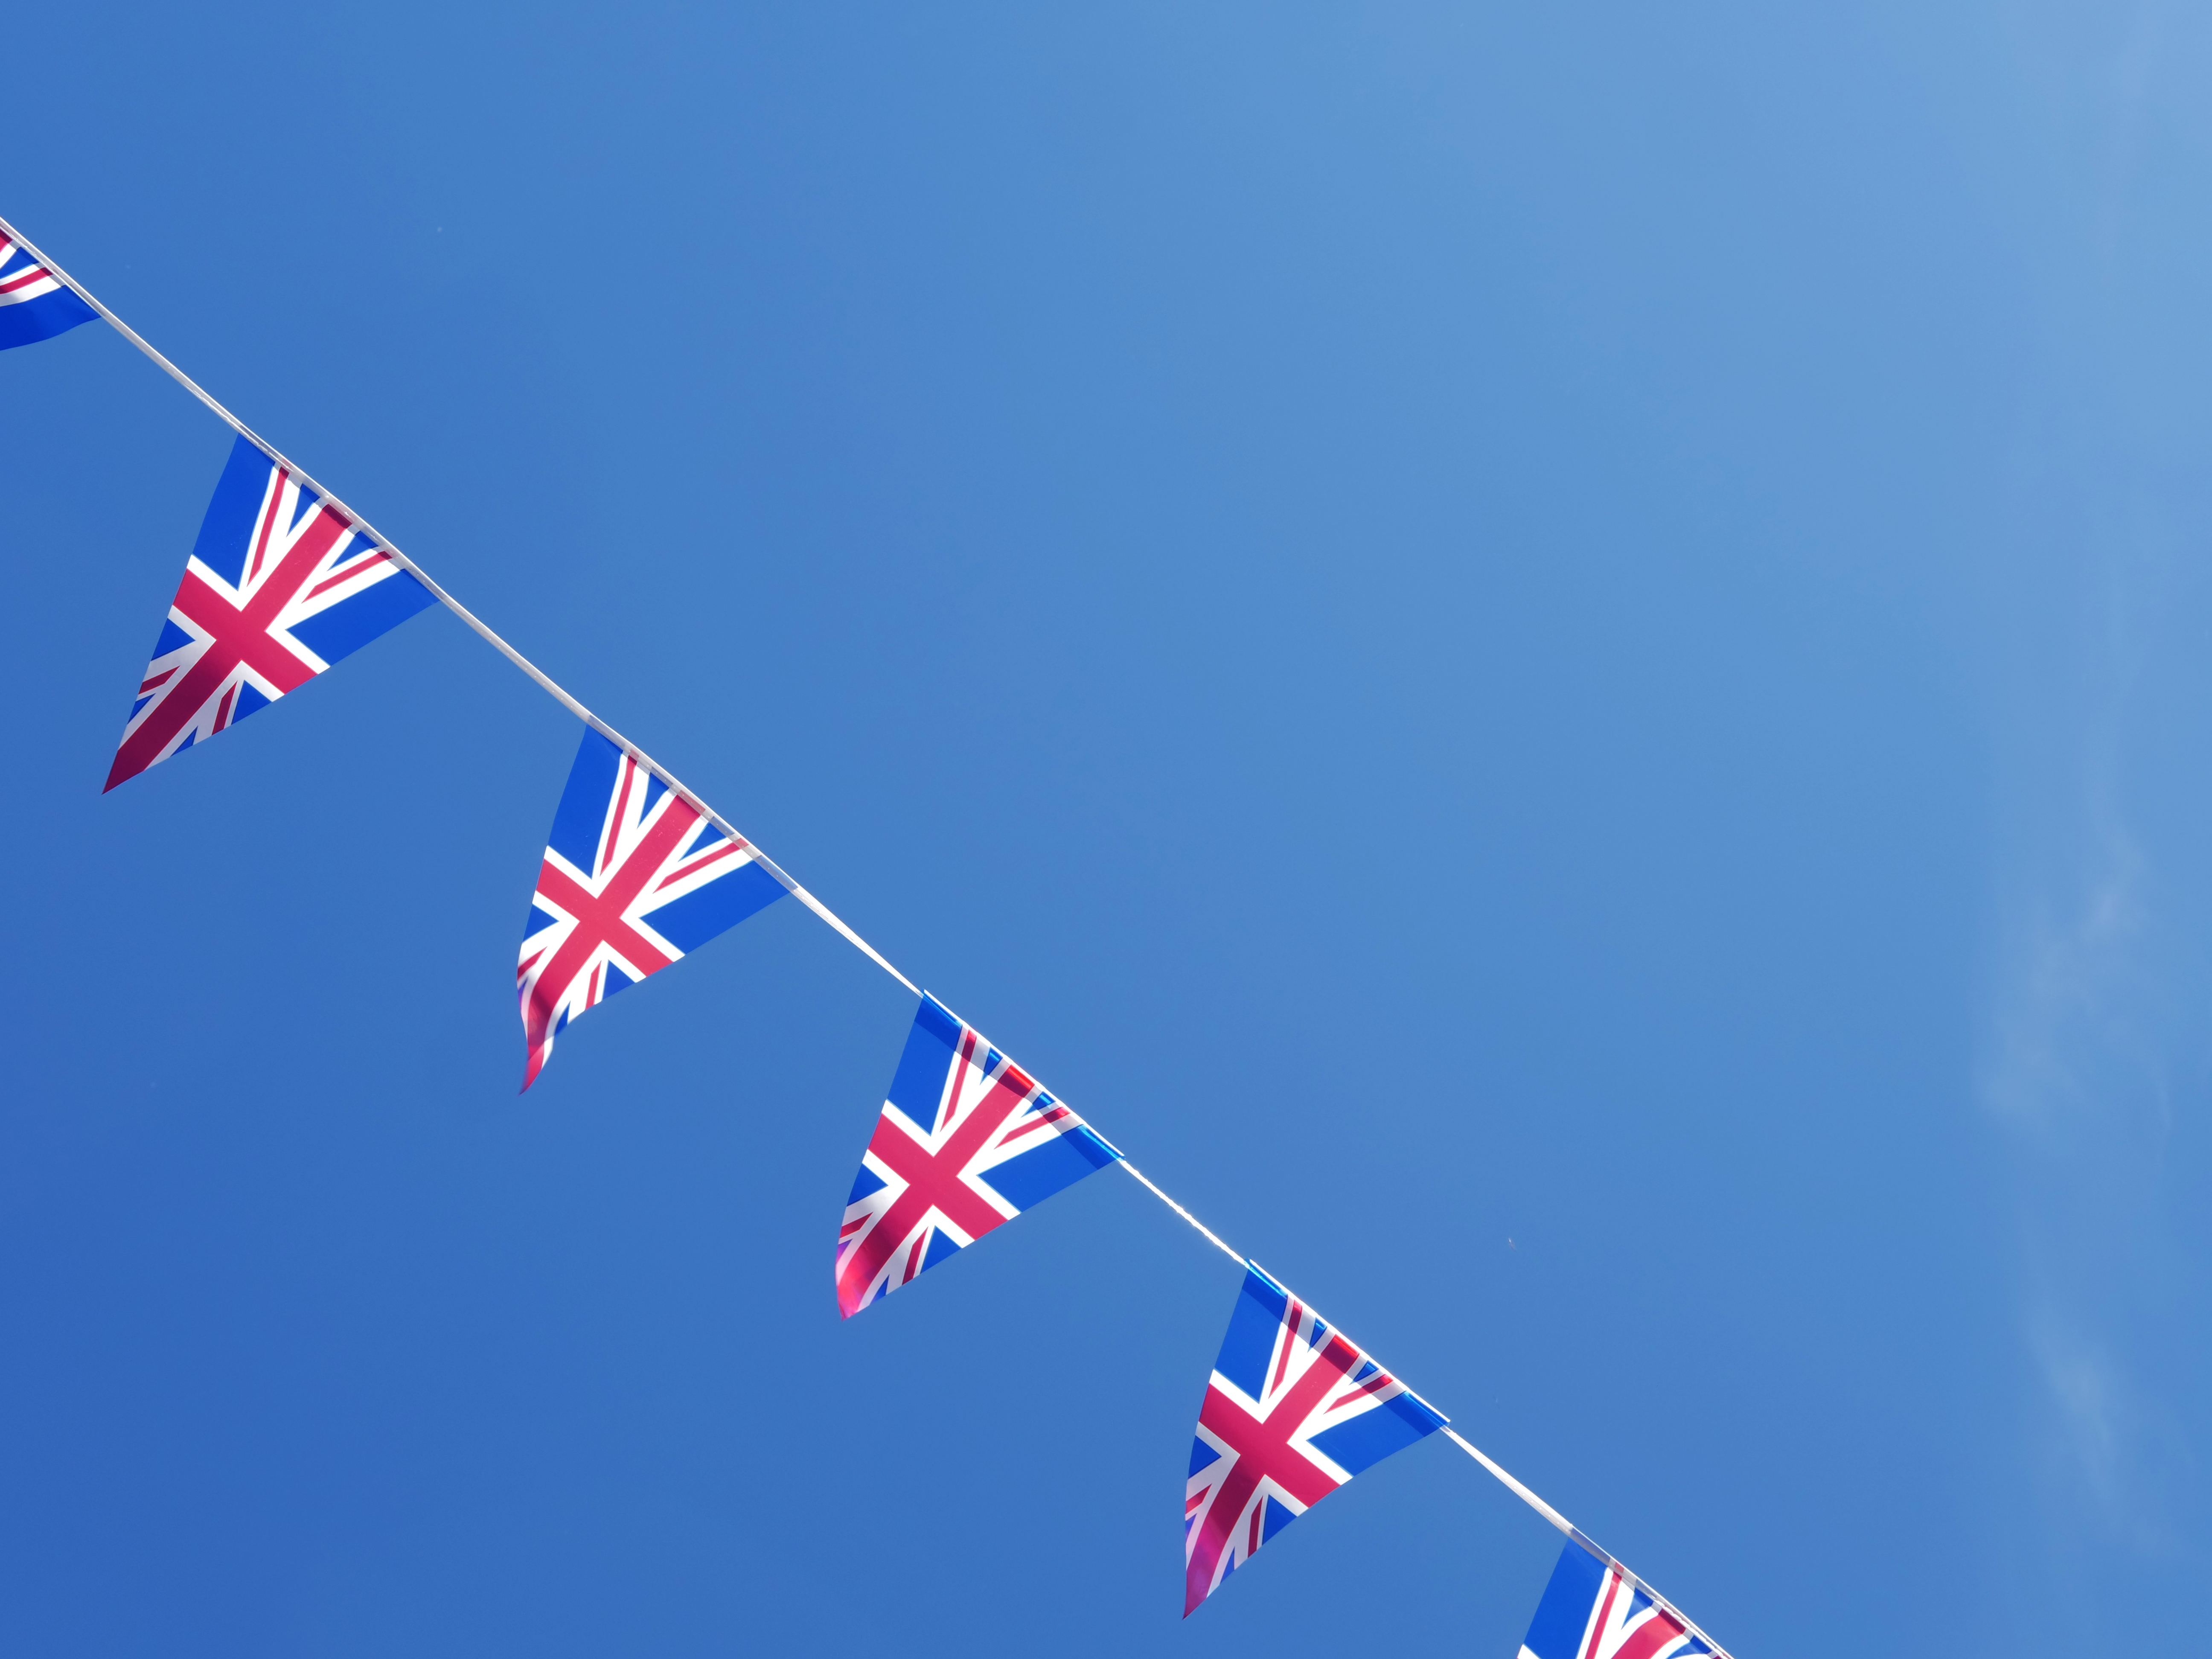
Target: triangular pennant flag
point(34, 303)
point(1592, 1610)
point(279, 586)
point(1293, 1411)
point(633, 878)
point(966, 1140)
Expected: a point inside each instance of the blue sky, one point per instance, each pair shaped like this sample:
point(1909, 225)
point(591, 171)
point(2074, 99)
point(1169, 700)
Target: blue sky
point(1557, 665)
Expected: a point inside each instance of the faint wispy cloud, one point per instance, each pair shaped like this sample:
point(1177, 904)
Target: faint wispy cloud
point(2063, 1016)
point(2076, 1076)
point(2093, 1048)
point(2078, 1069)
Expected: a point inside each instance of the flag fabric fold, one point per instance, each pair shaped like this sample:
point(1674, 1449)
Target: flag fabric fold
point(634, 877)
point(1592, 1610)
point(279, 586)
point(34, 304)
point(1294, 1409)
point(966, 1140)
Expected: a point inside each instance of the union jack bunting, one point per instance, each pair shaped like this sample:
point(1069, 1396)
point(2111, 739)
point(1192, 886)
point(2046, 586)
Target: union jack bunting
point(279, 586)
point(1293, 1411)
point(34, 304)
point(633, 878)
point(1592, 1610)
point(965, 1141)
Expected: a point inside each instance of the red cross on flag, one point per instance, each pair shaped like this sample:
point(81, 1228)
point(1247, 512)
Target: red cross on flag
point(279, 586)
point(1293, 1410)
point(965, 1142)
point(633, 876)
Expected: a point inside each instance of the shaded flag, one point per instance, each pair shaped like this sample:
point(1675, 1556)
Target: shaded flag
point(279, 586)
point(965, 1141)
point(34, 304)
point(1292, 1411)
point(1592, 1610)
point(633, 878)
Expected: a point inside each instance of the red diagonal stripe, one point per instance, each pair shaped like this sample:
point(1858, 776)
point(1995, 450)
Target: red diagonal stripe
point(1263, 1451)
point(348, 574)
point(240, 634)
point(1373, 1384)
point(1656, 1632)
point(933, 1183)
point(1290, 1323)
point(599, 921)
point(1041, 1121)
point(611, 838)
point(267, 528)
point(698, 864)
point(237, 639)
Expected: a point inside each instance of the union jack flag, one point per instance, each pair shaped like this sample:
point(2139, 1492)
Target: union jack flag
point(34, 304)
point(279, 586)
point(1592, 1610)
point(633, 878)
point(966, 1140)
point(1293, 1411)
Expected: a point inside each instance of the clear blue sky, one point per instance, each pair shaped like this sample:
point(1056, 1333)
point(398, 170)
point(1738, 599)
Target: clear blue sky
point(1559, 665)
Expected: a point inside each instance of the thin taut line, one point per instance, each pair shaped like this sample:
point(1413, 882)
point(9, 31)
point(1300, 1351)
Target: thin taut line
point(678, 785)
point(1499, 1470)
point(543, 679)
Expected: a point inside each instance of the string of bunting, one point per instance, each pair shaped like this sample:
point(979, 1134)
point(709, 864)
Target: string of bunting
point(285, 580)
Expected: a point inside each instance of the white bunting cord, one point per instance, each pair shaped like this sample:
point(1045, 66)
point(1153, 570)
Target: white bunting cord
point(676, 786)
point(1504, 1476)
point(1211, 1237)
point(1575, 1533)
point(543, 679)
